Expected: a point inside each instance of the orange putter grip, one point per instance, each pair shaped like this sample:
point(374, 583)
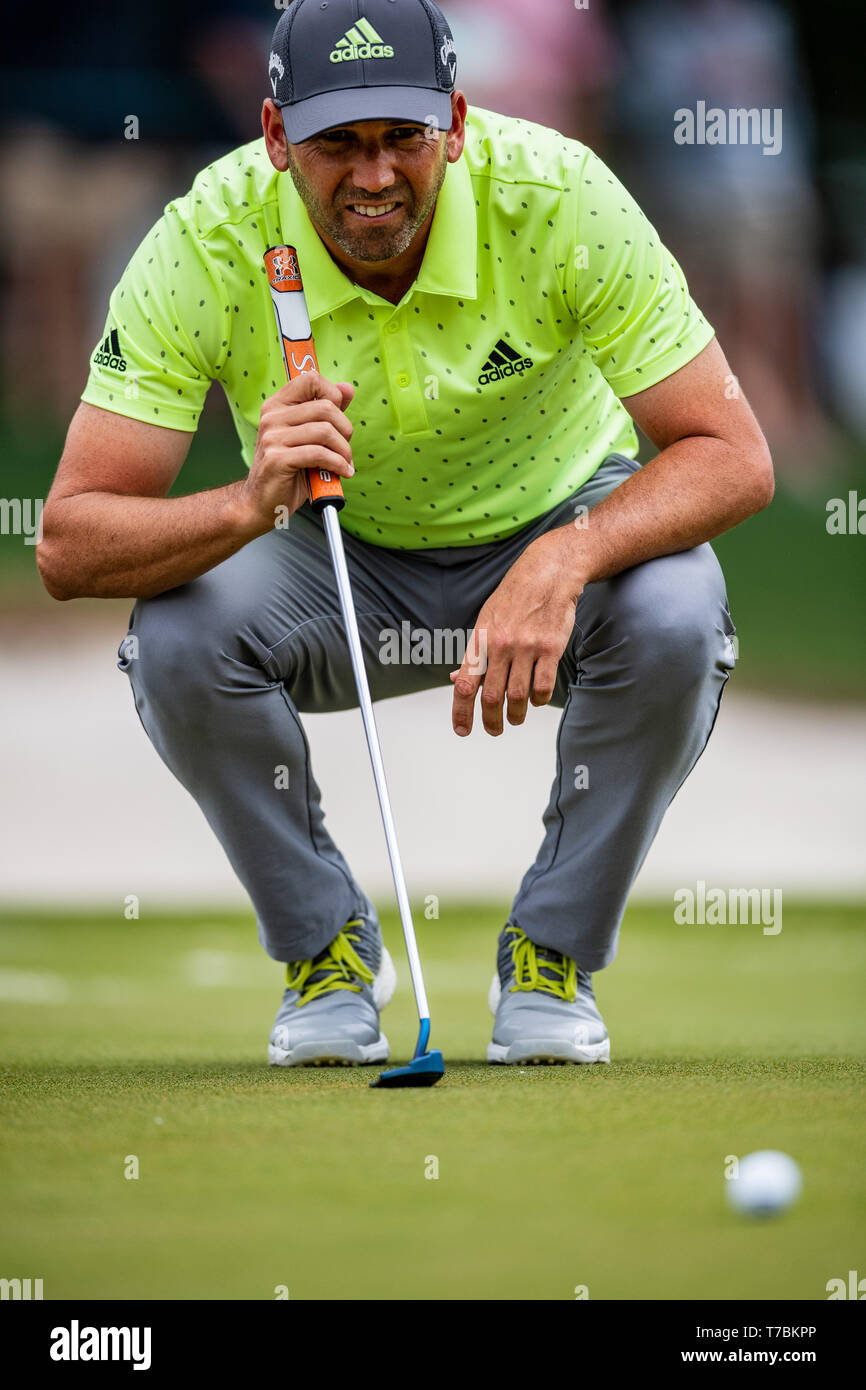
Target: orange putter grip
point(299, 353)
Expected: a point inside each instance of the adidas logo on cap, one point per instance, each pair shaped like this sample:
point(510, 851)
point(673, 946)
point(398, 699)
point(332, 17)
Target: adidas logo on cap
point(361, 41)
point(503, 361)
point(109, 355)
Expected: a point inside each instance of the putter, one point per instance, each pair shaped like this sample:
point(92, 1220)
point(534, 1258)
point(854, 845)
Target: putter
point(326, 497)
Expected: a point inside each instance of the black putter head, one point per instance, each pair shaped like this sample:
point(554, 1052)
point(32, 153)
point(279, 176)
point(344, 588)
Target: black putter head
point(421, 1071)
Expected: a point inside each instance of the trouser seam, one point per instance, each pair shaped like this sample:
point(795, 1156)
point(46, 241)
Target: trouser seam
point(578, 667)
point(537, 869)
point(558, 808)
point(703, 746)
point(319, 618)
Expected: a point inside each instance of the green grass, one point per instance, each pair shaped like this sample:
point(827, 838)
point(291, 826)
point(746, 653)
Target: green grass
point(146, 1038)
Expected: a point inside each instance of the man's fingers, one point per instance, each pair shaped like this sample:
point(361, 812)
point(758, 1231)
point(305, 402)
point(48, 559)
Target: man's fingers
point(544, 679)
point(315, 432)
point(518, 676)
point(310, 386)
point(324, 412)
point(519, 680)
point(283, 408)
point(319, 456)
point(491, 708)
point(463, 705)
point(493, 692)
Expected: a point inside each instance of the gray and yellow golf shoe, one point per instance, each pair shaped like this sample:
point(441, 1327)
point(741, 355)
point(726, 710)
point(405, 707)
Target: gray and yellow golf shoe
point(330, 1010)
point(544, 1007)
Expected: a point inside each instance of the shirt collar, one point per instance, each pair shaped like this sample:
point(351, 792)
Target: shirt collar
point(450, 256)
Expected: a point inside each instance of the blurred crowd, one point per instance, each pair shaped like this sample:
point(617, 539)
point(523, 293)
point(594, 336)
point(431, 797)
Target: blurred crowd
point(109, 112)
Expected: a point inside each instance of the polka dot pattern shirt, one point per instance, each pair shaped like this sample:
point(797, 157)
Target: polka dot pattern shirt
point(489, 394)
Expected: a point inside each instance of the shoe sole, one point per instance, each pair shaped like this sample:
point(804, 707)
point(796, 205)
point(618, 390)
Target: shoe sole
point(339, 1052)
point(538, 1052)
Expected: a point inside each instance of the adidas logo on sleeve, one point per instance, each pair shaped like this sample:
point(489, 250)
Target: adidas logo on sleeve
point(361, 41)
point(109, 354)
point(503, 361)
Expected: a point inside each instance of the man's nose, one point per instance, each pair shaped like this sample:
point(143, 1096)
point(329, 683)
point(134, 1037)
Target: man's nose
point(373, 171)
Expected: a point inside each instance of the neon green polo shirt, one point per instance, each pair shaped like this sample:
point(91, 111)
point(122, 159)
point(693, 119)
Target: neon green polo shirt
point(488, 395)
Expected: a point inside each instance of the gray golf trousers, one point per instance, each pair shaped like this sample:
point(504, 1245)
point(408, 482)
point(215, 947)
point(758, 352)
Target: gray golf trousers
point(223, 667)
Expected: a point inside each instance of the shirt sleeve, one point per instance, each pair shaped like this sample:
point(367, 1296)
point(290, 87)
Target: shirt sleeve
point(626, 292)
point(165, 334)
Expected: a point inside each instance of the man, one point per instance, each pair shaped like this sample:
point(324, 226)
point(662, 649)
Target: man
point(503, 311)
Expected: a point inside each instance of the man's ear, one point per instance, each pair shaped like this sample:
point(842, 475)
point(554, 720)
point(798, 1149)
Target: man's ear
point(455, 138)
point(275, 135)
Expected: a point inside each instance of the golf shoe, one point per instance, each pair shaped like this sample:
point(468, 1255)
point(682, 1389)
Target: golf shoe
point(544, 1007)
point(330, 1010)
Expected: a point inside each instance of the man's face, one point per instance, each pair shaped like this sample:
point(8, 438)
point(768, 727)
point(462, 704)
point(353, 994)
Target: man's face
point(371, 164)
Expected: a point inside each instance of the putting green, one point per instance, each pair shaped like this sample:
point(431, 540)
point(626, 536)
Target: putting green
point(144, 1041)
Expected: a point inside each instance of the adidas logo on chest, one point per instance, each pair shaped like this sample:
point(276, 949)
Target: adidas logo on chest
point(502, 362)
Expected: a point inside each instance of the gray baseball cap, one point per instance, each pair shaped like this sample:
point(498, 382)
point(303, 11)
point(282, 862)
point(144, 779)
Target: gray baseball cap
point(333, 62)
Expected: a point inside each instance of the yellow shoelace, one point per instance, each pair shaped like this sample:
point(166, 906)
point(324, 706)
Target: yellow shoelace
point(527, 975)
point(339, 968)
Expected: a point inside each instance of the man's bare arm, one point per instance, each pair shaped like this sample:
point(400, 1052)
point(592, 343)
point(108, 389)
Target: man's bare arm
point(110, 531)
point(712, 472)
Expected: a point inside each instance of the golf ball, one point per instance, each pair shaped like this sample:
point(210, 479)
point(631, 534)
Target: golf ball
point(768, 1182)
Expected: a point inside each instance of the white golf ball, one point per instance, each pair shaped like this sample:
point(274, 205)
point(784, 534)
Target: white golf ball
point(768, 1182)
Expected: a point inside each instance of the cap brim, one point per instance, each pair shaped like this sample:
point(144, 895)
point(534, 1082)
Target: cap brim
point(350, 104)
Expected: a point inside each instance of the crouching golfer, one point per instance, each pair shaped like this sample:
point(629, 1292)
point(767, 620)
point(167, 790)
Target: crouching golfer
point(494, 311)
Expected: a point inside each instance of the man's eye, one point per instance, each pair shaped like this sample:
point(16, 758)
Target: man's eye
point(338, 137)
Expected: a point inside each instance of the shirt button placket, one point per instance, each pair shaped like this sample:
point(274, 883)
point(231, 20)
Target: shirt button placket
point(408, 400)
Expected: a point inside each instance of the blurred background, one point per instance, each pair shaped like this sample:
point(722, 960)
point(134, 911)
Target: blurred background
point(107, 114)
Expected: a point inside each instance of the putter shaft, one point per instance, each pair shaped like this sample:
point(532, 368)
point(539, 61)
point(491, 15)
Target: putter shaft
point(338, 558)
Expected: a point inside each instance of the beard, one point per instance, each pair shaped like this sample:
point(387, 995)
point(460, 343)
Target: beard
point(381, 243)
